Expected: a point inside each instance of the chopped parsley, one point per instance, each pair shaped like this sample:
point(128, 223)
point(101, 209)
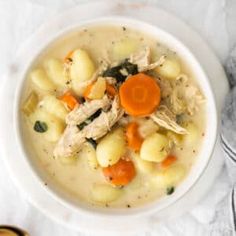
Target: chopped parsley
point(92, 142)
point(82, 125)
point(117, 72)
point(90, 119)
point(170, 190)
point(132, 69)
point(81, 100)
point(95, 115)
point(40, 126)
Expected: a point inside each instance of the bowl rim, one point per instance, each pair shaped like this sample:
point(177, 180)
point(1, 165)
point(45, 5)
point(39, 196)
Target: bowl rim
point(108, 20)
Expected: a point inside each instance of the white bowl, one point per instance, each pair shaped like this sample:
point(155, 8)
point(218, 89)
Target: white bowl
point(211, 119)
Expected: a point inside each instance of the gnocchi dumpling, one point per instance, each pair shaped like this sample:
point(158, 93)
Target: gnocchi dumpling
point(56, 73)
point(40, 79)
point(98, 89)
point(54, 106)
point(157, 180)
point(111, 148)
point(174, 174)
point(105, 193)
point(155, 148)
point(143, 166)
point(147, 127)
point(55, 126)
point(124, 48)
point(169, 69)
point(170, 176)
point(81, 70)
point(175, 138)
point(88, 152)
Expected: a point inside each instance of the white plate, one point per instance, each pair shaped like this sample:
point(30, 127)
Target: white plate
point(22, 174)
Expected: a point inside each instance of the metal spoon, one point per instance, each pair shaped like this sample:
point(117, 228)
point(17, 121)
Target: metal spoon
point(228, 122)
point(9, 230)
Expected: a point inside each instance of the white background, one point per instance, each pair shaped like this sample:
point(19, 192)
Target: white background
point(215, 20)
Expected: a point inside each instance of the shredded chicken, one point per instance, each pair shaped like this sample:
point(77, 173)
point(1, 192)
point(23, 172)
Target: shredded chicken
point(154, 64)
point(178, 103)
point(101, 125)
point(147, 127)
point(165, 118)
point(143, 60)
point(73, 139)
point(166, 88)
point(82, 112)
point(185, 97)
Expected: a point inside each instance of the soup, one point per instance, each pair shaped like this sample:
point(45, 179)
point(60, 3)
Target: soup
point(112, 117)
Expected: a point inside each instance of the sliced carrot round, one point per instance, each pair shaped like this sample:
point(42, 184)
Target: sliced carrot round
point(140, 95)
point(88, 89)
point(121, 173)
point(133, 137)
point(170, 159)
point(69, 100)
point(111, 90)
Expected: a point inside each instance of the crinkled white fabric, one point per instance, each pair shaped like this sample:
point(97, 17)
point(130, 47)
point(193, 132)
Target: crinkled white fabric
point(214, 20)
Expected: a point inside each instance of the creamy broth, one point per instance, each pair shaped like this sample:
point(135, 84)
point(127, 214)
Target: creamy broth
point(77, 178)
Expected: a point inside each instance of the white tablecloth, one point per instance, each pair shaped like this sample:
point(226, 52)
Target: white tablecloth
point(214, 19)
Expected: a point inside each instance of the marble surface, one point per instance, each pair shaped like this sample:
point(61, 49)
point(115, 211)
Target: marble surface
point(214, 20)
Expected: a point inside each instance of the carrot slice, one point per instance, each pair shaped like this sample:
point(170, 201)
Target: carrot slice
point(140, 95)
point(121, 173)
point(88, 90)
point(69, 100)
point(168, 161)
point(111, 90)
point(133, 137)
point(68, 57)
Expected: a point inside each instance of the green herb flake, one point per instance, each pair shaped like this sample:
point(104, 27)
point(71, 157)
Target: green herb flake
point(170, 190)
point(90, 119)
point(81, 100)
point(92, 142)
point(116, 73)
point(131, 68)
point(95, 115)
point(40, 126)
point(81, 126)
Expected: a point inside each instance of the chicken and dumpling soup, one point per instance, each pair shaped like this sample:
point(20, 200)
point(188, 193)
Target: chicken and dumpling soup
point(114, 117)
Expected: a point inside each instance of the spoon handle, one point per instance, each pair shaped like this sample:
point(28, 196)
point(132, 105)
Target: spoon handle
point(8, 230)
